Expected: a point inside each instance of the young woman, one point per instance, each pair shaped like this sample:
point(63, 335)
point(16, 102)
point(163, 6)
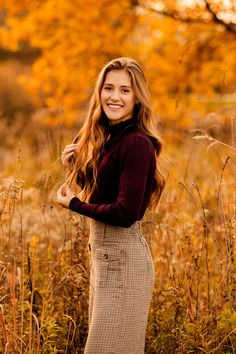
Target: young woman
point(114, 161)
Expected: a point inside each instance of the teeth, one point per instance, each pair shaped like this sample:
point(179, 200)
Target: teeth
point(114, 106)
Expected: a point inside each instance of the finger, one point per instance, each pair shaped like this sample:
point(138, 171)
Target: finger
point(63, 190)
point(70, 147)
point(66, 186)
point(59, 192)
point(65, 153)
point(68, 150)
point(69, 154)
point(62, 187)
point(67, 159)
point(59, 196)
point(67, 189)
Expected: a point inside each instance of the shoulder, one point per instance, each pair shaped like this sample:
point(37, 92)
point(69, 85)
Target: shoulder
point(136, 145)
point(137, 137)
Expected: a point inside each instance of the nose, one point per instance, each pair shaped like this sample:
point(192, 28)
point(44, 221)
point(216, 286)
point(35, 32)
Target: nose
point(115, 95)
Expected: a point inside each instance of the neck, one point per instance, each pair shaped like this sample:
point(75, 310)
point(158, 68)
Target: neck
point(115, 129)
point(114, 122)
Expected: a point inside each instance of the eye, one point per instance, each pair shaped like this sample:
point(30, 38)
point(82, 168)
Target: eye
point(107, 88)
point(125, 90)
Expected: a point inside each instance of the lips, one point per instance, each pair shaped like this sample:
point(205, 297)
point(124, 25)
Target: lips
point(114, 106)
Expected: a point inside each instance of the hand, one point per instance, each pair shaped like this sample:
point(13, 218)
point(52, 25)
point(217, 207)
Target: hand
point(68, 152)
point(64, 195)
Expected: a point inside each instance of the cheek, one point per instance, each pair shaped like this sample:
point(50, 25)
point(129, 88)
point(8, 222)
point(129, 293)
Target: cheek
point(103, 97)
point(131, 102)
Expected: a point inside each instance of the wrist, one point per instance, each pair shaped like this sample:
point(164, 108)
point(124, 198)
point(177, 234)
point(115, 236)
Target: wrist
point(74, 203)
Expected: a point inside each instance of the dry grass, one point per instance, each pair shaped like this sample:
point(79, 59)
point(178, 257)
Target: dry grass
point(44, 261)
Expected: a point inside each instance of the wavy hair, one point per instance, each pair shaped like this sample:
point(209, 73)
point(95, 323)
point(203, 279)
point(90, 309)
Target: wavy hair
point(93, 134)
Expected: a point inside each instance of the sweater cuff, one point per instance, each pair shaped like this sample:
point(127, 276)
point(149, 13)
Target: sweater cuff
point(74, 204)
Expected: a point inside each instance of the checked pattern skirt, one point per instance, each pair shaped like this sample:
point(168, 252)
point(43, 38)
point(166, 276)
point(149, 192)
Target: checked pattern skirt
point(122, 278)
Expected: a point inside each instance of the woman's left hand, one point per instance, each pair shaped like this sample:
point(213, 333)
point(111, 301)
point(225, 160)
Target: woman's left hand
point(64, 195)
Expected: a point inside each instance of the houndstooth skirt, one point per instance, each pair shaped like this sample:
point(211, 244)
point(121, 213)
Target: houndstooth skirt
point(122, 277)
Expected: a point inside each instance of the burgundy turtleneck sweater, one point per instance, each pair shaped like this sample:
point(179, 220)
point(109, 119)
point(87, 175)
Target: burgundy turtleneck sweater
point(125, 177)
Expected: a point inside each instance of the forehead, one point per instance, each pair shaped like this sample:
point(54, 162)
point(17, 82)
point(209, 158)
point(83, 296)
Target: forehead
point(118, 77)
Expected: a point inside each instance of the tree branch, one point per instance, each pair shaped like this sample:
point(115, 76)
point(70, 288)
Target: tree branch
point(230, 27)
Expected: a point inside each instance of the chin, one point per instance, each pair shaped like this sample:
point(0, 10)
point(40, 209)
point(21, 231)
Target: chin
point(114, 118)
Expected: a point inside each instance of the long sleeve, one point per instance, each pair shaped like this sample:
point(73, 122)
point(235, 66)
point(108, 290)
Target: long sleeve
point(136, 161)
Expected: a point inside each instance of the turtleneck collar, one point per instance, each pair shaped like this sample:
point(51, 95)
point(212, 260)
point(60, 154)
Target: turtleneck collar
point(117, 128)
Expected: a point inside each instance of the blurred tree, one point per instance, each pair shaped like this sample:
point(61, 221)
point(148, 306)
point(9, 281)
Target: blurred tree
point(75, 38)
point(14, 102)
point(187, 48)
point(192, 53)
point(207, 12)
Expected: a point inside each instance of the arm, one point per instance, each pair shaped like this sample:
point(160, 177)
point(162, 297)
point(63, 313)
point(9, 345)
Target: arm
point(136, 156)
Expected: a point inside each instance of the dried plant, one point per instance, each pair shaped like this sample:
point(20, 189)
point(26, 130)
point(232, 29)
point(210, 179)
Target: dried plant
point(44, 260)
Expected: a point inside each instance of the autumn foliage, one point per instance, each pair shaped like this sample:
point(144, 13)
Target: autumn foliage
point(185, 52)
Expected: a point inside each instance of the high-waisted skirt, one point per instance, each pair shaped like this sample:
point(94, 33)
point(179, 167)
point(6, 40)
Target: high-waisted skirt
point(122, 278)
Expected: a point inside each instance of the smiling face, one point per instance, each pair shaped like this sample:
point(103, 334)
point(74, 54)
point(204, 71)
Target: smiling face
point(117, 96)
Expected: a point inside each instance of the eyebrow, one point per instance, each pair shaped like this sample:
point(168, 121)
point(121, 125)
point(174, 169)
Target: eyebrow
point(106, 83)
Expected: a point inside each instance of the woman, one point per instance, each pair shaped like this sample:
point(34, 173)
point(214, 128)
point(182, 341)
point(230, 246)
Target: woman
point(114, 161)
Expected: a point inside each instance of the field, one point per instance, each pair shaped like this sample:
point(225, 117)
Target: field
point(44, 253)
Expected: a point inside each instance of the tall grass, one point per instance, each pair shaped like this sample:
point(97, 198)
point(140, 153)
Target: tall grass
point(44, 263)
point(194, 303)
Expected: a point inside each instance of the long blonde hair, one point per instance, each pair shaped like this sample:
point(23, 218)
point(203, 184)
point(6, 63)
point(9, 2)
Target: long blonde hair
point(93, 134)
